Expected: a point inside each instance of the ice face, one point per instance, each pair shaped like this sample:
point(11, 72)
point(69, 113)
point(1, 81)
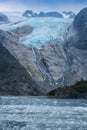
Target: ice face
point(44, 29)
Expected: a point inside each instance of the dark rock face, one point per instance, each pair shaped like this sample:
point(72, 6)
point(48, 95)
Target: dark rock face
point(14, 79)
point(77, 48)
point(54, 65)
point(3, 18)
point(78, 30)
point(30, 13)
point(80, 20)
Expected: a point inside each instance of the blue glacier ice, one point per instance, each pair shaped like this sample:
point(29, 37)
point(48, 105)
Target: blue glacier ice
point(44, 29)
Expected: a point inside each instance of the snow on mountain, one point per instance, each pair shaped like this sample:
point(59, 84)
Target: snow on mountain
point(45, 29)
point(69, 14)
point(65, 14)
point(30, 13)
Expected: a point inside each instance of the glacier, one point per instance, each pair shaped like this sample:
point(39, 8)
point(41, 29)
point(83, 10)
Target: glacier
point(44, 29)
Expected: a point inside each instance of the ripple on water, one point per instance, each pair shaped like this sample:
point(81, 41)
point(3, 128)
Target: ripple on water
point(53, 114)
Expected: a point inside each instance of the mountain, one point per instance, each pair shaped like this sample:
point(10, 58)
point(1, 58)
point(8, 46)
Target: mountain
point(14, 78)
point(30, 13)
point(79, 28)
point(66, 63)
point(69, 14)
point(3, 18)
point(53, 58)
point(77, 59)
point(50, 14)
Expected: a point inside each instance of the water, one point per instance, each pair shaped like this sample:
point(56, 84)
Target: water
point(27, 113)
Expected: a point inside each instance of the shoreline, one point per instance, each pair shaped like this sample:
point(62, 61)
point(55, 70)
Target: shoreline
point(42, 97)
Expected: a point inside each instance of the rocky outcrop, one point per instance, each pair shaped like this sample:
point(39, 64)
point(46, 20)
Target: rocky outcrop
point(24, 30)
point(79, 90)
point(78, 30)
point(3, 18)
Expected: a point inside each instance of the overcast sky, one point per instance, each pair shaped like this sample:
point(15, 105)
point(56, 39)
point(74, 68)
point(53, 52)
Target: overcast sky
point(42, 5)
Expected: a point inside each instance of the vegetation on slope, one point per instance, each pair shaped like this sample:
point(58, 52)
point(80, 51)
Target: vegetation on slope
point(80, 86)
point(79, 90)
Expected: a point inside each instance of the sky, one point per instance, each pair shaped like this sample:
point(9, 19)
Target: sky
point(42, 5)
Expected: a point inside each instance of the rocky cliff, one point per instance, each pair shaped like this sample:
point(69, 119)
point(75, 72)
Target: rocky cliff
point(77, 48)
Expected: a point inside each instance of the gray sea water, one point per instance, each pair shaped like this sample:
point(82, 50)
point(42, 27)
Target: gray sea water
point(29, 113)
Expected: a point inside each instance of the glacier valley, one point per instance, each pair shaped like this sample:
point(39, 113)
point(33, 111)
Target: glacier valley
point(44, 29)
point(52, 50)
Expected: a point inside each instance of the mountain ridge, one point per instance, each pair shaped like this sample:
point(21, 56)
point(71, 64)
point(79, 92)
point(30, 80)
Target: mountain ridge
point(55, 14)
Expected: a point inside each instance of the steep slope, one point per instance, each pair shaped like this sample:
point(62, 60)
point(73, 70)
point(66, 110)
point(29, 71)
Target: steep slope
point(14, 79)
point(77, 48)
point(78, 30)
point(76, 51)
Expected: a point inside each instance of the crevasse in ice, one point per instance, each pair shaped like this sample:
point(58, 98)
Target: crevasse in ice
point(44, 29)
